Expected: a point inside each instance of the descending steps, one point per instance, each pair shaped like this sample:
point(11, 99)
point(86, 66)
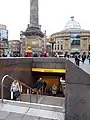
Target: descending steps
point(16, 110)
point(42, 99)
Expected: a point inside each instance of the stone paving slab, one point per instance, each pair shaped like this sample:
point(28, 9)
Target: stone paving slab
point(14, 116)
point(17, 112)
point(45, 114)
point(13, 108)
point(3, 115)
point(49, 100)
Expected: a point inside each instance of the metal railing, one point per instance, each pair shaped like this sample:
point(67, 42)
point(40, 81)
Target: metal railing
point(21, 84)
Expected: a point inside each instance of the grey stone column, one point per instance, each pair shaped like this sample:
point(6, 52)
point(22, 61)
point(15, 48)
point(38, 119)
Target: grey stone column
point(34, 12)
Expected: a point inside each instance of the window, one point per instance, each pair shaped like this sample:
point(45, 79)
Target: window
point(61, 47)
point(84, 38)
point(61, 41)
point(84, 44)
point(55, 47)
point(89, 47)
point(58, 47)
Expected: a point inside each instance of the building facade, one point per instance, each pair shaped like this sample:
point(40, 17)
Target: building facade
point(23, 44)
point(3, 39)
point(72, 39)
point(14, 48)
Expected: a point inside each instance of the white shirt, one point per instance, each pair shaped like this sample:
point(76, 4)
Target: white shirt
point(15, 87)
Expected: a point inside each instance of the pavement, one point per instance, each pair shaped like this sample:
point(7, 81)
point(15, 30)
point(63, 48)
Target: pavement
point(50, 100)
point(43, 99)
point(85, 66)
point(16, 110)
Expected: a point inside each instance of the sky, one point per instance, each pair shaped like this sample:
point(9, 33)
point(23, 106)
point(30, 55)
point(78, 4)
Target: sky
point(53, 15)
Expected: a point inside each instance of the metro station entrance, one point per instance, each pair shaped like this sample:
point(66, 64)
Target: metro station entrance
point(51, 79)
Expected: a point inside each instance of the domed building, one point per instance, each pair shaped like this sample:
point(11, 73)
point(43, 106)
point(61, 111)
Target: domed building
point(72, 39)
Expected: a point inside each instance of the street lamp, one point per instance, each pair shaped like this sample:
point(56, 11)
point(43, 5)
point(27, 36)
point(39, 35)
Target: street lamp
point(52, 41)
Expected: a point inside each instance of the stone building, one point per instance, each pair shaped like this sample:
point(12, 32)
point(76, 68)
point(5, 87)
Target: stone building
point(72, 39)
point(23, 44)
point(14, 47)
point(3, 39)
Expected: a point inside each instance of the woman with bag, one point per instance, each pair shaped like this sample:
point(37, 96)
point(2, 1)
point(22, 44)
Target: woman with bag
point(15, 88)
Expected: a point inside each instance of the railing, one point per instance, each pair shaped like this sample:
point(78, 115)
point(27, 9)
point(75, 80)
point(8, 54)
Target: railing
point(21, 84)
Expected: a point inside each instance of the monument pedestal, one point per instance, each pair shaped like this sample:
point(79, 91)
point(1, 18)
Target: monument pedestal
point(35, 42)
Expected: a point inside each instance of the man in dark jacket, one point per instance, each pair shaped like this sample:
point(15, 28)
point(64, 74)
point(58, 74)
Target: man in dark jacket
point(83, 57)
point(44, 87)
point(88, 57)
point(77, 60)
point(39, 84)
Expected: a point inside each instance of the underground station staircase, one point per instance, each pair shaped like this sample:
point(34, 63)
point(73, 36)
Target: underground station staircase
point(31, 107)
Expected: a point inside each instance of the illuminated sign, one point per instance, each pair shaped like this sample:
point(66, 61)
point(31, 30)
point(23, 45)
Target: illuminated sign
point(49, 70)
point(75, 39)
point(3, 44)
point(75, 42)
point(52, 40)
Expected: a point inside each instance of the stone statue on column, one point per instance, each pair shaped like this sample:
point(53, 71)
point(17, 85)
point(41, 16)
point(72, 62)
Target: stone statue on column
point(33, 32)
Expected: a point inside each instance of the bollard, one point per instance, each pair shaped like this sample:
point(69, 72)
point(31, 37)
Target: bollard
point(30, 94)
point(21, 88)
point(27, 91)
point(11, 95)
point(37, 97)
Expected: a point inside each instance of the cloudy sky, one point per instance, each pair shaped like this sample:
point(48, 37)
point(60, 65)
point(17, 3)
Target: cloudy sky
point(53, 14)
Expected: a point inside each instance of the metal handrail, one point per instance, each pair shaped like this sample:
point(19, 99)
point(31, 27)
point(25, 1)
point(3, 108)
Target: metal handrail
point(3, 79)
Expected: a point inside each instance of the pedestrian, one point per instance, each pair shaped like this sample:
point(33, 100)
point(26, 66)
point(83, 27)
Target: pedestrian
point(44, 86)
point(77, 60)
point(83, 57)
point(54, 90)
point(15, 88)
point(88, 57)
point(39, 85)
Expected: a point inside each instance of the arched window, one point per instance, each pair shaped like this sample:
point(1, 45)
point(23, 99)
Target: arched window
point(58, 47)
point(89, 47)
point(61, 47)
point(55, 46)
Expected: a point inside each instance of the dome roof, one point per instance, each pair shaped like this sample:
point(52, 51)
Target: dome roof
point(72, 25)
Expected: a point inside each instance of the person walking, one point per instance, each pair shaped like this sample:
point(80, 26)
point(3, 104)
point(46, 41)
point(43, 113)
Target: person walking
point(83, 57)
point(44, 87)
point(88, 57)
point(39, 85)
point(15, 88)
point(54, 90)
point(77, 59)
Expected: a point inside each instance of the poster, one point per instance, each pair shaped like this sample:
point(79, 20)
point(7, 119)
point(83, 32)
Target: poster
point(75, 40)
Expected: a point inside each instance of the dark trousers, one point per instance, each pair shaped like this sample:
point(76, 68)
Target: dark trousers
point(89, 61)
point(14, 97)
point(16, 94)
point(77, 62)
point(83, 60)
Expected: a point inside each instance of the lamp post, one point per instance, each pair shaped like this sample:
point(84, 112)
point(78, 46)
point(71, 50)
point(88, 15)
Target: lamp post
point(52, 41)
